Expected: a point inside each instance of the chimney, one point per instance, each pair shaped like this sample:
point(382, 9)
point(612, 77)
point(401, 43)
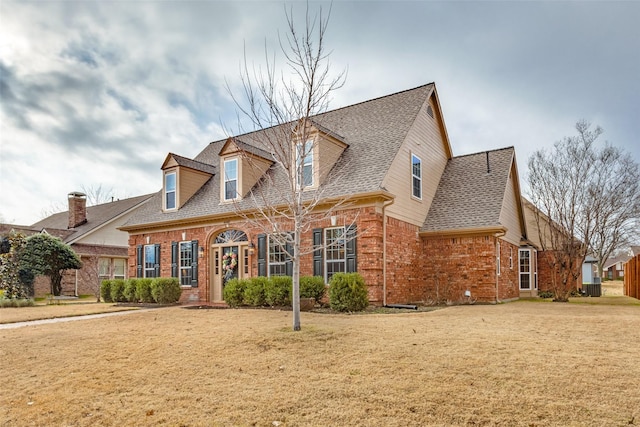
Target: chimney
point(77, 209)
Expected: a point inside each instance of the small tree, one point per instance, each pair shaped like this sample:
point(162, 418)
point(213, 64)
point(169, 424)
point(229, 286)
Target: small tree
point(16, 282)
point(49, 256)
point(586, 198)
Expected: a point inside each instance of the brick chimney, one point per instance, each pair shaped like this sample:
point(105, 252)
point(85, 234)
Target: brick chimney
point(77, 209)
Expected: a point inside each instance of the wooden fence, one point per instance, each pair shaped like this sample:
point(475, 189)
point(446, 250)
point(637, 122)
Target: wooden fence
point(632, 277)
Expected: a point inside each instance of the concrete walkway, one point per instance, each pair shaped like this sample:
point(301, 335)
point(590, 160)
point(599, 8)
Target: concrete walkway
point(16, 325)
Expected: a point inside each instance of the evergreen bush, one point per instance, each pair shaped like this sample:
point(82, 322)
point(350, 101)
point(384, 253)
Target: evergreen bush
point(166, 290)
point(105, 291)
point(277, 291)
point(233, 292)
point(312, 287)
point(348, 292)
point(254, 293)
point(117, 290)
point(129, 290)
point(143, 290)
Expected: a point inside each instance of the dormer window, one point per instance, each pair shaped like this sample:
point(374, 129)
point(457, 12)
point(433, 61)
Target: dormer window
point(230, 179)
point(304, 163)
point(170, 190)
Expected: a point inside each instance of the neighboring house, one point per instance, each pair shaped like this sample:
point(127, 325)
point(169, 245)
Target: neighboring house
point(93, 234)
point(613, 268)
point(426, 225)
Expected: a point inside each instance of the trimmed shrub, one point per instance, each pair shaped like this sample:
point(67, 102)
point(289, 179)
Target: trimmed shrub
point(105, 291)
point(545, 294)
point(143, 290)
point(254, 291)
point(16, 302)
point(117, 290)
point(277, 291)
point(233, 292)
point(129, 290)
point(348, 292)
point(166, 290)
point(312, 287)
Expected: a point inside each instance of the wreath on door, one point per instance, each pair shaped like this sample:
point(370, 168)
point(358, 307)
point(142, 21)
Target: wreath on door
point(229, 264)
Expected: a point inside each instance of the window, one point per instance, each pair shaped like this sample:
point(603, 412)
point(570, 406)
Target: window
point(335, 251)
point(230, 179)
point(277, 257)
point(304, 163)
point(416, 176)
point(186, 261)
point(119, 266)
point(149, 261)
point(511, 258)
point(170, 190)
point(525, 269)
point(104, 268)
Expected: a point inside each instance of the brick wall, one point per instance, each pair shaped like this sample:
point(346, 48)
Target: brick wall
point(550, 277)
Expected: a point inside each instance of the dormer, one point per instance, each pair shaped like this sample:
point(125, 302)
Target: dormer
point(316, 151)
point(181, 179)
point(242, 165)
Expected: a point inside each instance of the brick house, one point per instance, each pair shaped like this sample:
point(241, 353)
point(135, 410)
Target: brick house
point(425, 225)
point(93, 234)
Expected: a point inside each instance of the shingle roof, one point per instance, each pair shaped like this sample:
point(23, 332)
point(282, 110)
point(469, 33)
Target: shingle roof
point(469, 197)
point(374, 130)
point(193, 164)
point(97, 215)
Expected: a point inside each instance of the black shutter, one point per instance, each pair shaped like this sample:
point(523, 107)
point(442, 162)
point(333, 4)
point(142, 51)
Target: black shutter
point(262, 255)
point(352, 262)
point(318, 252)
point(157, 258)
point(139, 261)
point(174, 259)
point(194, 263)
point(288, 265)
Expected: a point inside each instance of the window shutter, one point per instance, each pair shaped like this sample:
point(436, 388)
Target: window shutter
point(174, 259)
point(351, 258)
point(318, 252)
point(157, 259)
point(194, 263)
point(262, 255)
point(288, 265)
point(139, 261)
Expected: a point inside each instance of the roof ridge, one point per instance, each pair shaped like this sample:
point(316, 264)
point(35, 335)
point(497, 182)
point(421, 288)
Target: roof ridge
point(511, 147)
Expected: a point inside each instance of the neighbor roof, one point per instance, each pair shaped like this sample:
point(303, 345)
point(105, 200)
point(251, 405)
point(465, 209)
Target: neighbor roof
point(373, 131)
point(471, 192)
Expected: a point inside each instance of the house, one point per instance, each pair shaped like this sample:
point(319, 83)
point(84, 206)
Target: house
point(425, 225)
point(93, 234)
point(613, 268)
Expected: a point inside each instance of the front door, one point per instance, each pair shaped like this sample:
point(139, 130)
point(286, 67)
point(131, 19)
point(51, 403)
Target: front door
point(229, 262)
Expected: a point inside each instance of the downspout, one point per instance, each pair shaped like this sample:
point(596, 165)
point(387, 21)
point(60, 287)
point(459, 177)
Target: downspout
point(384, 250)
point(497, 236)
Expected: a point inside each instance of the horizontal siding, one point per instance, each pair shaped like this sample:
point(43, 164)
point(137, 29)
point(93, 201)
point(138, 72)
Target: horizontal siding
point(251, 169)
point(426, 140)
point(189, 182)
point(510, 214)
point(328, 154)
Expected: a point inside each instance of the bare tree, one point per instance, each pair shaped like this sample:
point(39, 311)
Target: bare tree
point(285, 106)
point(573, 187)
point(97, 195)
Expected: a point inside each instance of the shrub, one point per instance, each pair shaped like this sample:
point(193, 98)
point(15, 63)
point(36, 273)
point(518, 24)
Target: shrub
point(348, 292)
point(277, 291)
point(16, 302)
point(233, 292)
point(129, 291)
point(312, 287)
point(166, 290)
point(254, 291)
point(545, 294)
point(105, 291)
point(143, 290)
point(117, 290)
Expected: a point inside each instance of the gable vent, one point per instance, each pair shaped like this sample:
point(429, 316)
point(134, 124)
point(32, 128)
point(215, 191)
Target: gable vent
point(430, 111)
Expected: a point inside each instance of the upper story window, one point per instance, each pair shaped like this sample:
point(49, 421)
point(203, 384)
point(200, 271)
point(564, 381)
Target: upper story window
point(304, 163)
point(230, 179)
point(170, 190)
point(416, 176)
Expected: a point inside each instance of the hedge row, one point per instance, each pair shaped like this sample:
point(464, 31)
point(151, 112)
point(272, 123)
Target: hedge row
point(161, 290)
point(347, 291)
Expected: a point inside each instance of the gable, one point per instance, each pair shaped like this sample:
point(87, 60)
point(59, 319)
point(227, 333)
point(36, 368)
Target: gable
point(512, 215)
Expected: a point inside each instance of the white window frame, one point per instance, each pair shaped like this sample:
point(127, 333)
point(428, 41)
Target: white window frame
point(330, 248)
point(416, 177)
point(185, 270)
point(149, 271)
point(174, 191)
point(228, 179)
point(305, 149)
point(520, 272)
point(273, 243)
point(124, 268)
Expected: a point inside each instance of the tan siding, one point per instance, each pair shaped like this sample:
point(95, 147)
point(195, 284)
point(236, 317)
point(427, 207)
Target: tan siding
point(251, 170)
point(328, 154)
point(510, 213)
point(189, 182)
point(427, 141)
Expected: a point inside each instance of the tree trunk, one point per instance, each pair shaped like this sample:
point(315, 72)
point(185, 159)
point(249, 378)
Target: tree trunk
point(295, 297)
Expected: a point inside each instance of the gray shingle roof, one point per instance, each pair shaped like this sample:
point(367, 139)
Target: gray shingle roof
point(468, 196)
point(374, 130)
point(96, 216)
point(193, 164)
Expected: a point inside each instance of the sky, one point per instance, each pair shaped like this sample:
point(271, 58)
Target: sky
point(96, 94)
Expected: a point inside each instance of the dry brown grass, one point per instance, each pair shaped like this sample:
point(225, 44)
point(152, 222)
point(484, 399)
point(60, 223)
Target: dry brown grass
point(40, 311)
point(523, 363)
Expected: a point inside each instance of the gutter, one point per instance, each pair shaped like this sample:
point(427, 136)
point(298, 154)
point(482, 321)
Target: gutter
point(497, 236)
point(384, 250)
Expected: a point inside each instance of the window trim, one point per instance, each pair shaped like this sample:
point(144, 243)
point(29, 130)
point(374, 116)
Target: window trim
point(225, 179)
point(307, 161)
point(152, 269)
point(414, 176)
point(188, 268)
point(175, 191)
point(280, 264)
point(328, 247)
